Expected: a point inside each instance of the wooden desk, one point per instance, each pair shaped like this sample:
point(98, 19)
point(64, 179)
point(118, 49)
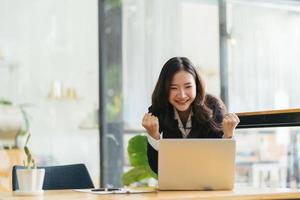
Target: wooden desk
point(239, 193)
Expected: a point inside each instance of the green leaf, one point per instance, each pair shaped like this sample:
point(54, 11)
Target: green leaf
point(27, 140)
point(137, 144)
point(27, 152)
point(5, 102)
point(33, 164)
point(137, 174)
point(137, 153)
point(29, 157)
point(24, 129)
point(137, 150)
point(138, 159)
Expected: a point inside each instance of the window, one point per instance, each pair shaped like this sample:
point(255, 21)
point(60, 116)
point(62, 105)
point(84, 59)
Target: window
point(260, 71)
point(49, 64)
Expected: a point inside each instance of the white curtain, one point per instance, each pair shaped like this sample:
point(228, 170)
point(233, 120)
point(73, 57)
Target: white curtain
point(153, 32)
point(264, 49)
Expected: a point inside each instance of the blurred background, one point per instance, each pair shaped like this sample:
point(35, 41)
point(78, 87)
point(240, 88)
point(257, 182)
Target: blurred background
point(78, 75)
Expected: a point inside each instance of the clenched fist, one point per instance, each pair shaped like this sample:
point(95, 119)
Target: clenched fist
point(230, 121)
point(151, 124)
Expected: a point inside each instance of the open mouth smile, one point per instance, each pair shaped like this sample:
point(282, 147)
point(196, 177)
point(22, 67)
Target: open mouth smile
point(182, 102)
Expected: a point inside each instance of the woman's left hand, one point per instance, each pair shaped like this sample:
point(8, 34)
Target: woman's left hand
point(230, 121)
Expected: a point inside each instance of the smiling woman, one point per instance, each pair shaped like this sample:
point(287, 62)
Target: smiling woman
point(181, 108)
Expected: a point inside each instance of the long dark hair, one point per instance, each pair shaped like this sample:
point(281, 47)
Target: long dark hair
point(207, 109)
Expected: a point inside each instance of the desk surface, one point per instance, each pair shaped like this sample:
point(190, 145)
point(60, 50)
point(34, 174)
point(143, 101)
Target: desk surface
point(238, 193)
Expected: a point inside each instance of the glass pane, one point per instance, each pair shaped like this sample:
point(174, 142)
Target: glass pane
point(263, 54)
point(268, 157)
point(49, 67)
point(262, 40)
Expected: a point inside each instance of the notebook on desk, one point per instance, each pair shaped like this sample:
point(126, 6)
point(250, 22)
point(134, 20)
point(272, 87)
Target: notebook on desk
point(196, 164)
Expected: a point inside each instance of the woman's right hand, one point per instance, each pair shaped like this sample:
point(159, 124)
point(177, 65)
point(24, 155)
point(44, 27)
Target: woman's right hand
point(151, 124)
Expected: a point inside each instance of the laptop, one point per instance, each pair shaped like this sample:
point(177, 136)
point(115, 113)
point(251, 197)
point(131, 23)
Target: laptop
point(196, 164)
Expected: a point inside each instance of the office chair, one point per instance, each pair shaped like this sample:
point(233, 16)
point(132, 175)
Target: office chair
point(74, 176)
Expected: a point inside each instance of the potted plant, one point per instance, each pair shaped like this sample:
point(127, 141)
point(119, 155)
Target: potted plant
point(30, 178)
point(14, 122)
point(14, 127)
point(140, 171)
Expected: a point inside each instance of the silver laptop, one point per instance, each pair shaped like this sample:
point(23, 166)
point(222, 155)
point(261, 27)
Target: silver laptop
point(196, 164)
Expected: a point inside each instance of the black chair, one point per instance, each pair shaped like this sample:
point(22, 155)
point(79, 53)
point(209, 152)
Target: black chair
point(74, 176)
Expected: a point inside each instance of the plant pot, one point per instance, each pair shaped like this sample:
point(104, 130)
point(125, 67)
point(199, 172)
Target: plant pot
point(30, 181)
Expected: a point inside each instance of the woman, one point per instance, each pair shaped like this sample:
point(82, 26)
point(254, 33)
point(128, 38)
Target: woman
point(182, 109)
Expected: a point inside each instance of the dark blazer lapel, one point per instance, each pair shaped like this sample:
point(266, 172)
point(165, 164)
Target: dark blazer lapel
point(195, 131)
point(173, 131)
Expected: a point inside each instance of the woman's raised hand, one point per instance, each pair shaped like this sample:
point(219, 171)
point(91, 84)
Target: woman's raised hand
point(230, 121)
point(151, 124)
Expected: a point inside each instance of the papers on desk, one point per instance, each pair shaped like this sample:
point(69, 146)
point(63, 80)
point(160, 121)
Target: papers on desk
point(135, 190)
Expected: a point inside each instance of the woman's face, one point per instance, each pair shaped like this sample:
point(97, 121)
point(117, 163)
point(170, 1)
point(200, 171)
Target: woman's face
point(182, 91)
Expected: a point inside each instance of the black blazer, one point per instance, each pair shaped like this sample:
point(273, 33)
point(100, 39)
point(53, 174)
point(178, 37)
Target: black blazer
point(175, 133)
